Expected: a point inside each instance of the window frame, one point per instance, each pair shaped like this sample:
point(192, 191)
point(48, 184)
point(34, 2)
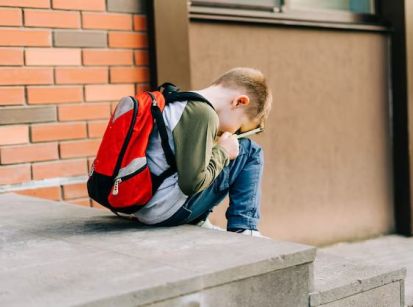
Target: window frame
point(283, 15)
point(258, 5)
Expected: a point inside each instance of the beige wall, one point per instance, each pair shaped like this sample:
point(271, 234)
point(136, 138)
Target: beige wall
point(327, 152)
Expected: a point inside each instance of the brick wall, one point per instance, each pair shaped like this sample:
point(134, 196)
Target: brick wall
point(64, 64)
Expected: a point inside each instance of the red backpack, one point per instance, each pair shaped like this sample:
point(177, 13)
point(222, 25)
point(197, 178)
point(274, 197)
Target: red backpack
point(120, 178)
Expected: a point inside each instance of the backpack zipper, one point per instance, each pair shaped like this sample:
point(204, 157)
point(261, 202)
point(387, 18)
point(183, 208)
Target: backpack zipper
point(125, 144)
point(118, 180)
point(92, 169)
point(116, 186)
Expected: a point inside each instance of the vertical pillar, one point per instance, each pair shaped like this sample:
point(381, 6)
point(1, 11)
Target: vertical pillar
point(396, 12)
point(409, 53)
point(171, 42)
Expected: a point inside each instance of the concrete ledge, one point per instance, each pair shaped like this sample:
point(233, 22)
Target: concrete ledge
point(342, 281)
point(393, 249)
point(271, 289)
point(384, 296)
point(60, 254)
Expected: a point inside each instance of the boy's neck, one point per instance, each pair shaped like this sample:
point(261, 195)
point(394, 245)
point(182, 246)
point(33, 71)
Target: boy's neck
point(217, 95)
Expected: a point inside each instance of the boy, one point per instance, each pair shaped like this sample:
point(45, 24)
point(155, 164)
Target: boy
point(211, 161)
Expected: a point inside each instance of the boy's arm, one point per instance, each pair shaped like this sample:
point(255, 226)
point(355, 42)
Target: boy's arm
point(199, 161)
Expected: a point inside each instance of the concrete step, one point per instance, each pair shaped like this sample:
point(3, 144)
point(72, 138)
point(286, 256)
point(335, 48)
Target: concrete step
point(57, 254)
point(345, 282)
point(390, 249)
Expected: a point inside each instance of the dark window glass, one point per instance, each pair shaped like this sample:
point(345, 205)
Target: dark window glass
point(356, 6)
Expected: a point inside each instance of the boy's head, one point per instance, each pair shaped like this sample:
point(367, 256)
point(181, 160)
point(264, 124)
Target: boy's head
point(250, 99)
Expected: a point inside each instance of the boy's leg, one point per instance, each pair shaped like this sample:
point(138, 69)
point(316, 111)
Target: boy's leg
point(242, 180)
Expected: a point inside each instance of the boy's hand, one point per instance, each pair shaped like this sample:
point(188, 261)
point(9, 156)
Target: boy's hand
point(230, 143)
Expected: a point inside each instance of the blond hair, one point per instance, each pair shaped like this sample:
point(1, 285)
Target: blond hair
point(254, 83)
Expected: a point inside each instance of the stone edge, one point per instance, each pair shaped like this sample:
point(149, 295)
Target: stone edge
point(393, 274)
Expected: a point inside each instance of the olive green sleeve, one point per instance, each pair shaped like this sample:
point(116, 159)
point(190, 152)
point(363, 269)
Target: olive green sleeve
point(199, 160)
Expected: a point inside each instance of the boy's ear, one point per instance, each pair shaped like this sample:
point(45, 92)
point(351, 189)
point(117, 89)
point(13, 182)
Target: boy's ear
point(241, 100)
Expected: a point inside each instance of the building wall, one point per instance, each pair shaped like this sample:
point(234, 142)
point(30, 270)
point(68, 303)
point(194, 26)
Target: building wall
point(63, 66)
point(328, 172)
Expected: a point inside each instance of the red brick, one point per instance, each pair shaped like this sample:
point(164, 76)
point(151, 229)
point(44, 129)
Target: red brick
point(139, 23)
point(63, 168)
point(49, 56)
point(11, 56)
point(25, 76)
point(107, 57)
point(89, 5)
point(53, 193)
point(54, 94)
point(82, 75)
point(141, 57)
point(81, 201)
point(26, 3)
point(84, 148)
point(51, 19)
point(10, 17)
point(128, 40)
point(22, 37)
point(58, 131)
point(96, 129)
point(129, 74)
point(84, 111)
point(16, 134)
point(106, 21)
point(109, 92)
point(14, 174)
point(11, 96)
point(28, 153)
point(77, 190)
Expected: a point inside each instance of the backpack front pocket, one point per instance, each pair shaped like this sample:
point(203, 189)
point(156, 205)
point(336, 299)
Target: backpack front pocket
point(132, 186)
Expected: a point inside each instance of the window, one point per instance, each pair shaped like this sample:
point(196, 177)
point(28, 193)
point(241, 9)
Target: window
point(355, 14)
point(355, 6)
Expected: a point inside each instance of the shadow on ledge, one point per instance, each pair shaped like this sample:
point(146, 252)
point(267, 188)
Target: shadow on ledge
point(89, 226)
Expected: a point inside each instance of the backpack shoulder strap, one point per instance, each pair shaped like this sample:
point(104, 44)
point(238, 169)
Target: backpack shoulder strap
point(181, 96)
point(157, 115)
point(171, 93)
point(169, 155)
